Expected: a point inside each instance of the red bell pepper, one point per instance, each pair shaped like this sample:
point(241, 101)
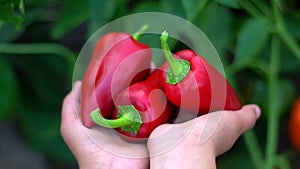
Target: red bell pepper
point(141, 108)
point(191, 83)
point(116, 60)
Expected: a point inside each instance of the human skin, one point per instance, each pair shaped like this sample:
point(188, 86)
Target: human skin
point(199, 145)
point(192, 144)
point(88, 154)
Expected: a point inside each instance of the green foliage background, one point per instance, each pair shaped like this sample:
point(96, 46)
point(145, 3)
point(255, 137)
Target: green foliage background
point(257, 40)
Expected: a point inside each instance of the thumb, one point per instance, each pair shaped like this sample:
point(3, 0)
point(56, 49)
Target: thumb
point(232, 125)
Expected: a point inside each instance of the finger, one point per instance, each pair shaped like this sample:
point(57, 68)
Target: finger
point(67, 108)
point(77, 91)
point(71, 104)
point(231, 125)
point(243, 119)
point(71, 128)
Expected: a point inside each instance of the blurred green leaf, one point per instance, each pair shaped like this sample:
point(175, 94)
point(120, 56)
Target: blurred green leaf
point(148, 6)
point(173, 7)
point(252, 39)
point(9, 89)
point(1, 24)
point(44, 80)
point(286, 94)
point(288, 63)
point(99, 17)
point(257, 90)
point(12, 11)
point(43, 85)
point(121, 8)
point(229, 3)
point(42, 132)
point(192, 8)
point(38, 3)
point(151, 40)
point(217, 23)
point(9, 33)
point(234, 160)
point(293, 26)
point(73, 14)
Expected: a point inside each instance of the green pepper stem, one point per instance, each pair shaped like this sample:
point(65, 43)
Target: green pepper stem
point(142, 30)
point(179, 68)
point(108, 123)
point(128, 119)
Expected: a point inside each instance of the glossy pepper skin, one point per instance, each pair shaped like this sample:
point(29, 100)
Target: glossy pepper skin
point(151, 109)
point(115, 61)
point(294, 124)
point(196, 86)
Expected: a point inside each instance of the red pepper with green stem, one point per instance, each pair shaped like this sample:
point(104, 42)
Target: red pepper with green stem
point(105, 76)
point(191, 83)
point(141, 108)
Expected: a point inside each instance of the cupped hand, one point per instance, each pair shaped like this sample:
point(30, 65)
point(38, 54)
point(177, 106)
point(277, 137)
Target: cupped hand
point(191, 144)
point(97, 147)
point(197, 142)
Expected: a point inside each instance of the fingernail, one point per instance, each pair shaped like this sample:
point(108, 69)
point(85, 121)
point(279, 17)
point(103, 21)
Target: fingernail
point(257, 112)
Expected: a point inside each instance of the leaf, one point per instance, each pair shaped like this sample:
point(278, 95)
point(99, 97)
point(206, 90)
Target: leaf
point(192, 8)
point(1, 24)
point(251, 41)
point(99, 17)
point(38, 3)
point(217, 23)
point(236, 158)
point(121, 8)
point(288, 63)
point(12, 11)
point(9, 89)
point(293, 26)
point(8, 32)
point(42, 132)
point(43, 79)
point(257, 90)
point(229, 3)
point(286, 94)
point(148, 6)
point(173, 7)
point(73, 14)
point(43, 85)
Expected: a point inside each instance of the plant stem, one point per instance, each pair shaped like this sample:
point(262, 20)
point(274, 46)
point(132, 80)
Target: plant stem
point(290, 42)
point(273, 117)
point(253, 148)
point(142, 30)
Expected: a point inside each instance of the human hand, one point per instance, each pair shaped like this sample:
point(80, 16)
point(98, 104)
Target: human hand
point(97, 147)
point(196, 143)
point(191, 144)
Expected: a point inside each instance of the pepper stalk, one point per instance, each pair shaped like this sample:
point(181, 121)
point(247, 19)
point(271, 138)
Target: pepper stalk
point(179, 68)
point(129, 119)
